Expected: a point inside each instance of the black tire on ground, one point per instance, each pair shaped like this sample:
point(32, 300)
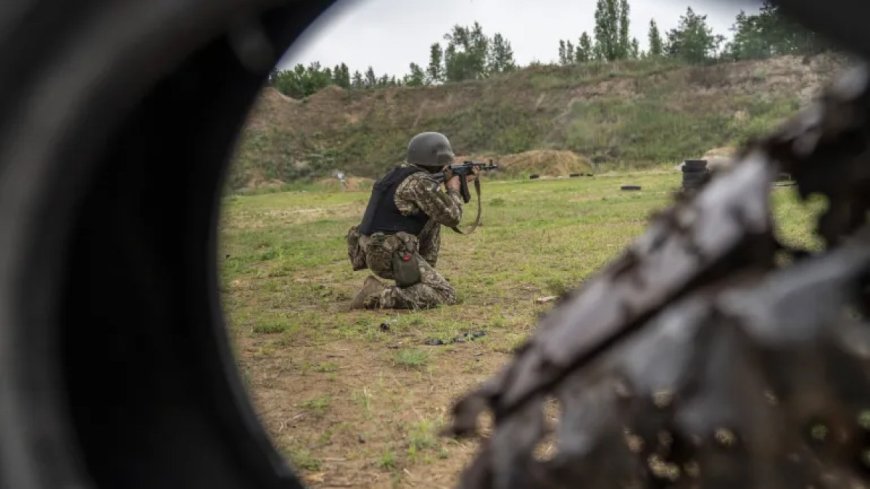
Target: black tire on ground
point(695, 165)
point(695, 177)
point(693, 180)
point(534, 176)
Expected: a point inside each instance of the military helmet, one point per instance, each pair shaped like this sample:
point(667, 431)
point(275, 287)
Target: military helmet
point(430, 149)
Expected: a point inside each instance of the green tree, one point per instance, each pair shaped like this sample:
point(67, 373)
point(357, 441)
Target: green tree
point(317, 78)
point(302, 81)
point(341, 75)
point(693, 40)
point(435, 70)
point(607, 30)
point(357, 81)
point(289, 82)
point(500, 58)
point(562, 50)
point(634, 49)
point(371, 80)
point(749, 41)
point(769, 33)
point(790, 37)
point(584, 52)
point(417, 77)
point(656, 47)
point(465, 54)
point(336, 75)
point(624, 42)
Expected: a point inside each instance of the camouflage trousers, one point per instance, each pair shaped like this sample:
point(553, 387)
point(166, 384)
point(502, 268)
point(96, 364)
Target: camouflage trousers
point(432, 290)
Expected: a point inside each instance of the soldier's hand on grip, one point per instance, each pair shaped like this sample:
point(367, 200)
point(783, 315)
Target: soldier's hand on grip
point(453, 183)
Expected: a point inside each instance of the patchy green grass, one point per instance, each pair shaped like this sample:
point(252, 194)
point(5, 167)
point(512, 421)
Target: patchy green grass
point(411, 358)
point(317, 406)
point(271, 327)
point(354, 395)
point(325, 367)
point(387, 460)
point(303, 459)
point(423, 439)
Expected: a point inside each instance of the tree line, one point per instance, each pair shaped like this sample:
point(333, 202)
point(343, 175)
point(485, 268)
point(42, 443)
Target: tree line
point(469, 54)
point(765, 34)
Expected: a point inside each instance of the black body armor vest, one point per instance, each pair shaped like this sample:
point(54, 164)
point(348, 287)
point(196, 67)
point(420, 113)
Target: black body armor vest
point(382, 215)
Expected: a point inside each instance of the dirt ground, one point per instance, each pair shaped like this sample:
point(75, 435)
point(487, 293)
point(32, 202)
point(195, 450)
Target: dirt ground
point(354, 400)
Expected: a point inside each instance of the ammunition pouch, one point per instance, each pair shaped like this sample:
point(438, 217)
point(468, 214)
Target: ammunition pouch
point(404, 261)
point(406, 268)
point(355, 252)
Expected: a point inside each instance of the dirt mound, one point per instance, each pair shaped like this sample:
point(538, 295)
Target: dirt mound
point(723, 152)
point(257, 181)
point(269, 108)
point(352, 184)
point(331, 98)
point(270, 96)
point(330, 91)
point(545, 162)
point(720, 158)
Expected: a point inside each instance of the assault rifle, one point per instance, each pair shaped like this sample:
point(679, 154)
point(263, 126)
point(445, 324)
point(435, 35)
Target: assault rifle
point(462, 170)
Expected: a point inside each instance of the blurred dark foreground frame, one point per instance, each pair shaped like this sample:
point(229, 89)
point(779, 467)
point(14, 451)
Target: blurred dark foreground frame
point(117, 119)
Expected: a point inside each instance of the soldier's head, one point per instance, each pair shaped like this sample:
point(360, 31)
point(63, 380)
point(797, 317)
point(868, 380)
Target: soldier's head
point(430, 150)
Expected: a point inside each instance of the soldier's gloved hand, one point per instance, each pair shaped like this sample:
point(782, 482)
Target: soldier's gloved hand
point(453, 183)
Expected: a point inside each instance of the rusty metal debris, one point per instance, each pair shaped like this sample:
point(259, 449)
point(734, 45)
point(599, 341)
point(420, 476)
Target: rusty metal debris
point(697, 359)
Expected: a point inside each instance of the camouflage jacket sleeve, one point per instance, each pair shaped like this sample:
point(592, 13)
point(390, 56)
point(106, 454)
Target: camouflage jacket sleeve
point(421, 193)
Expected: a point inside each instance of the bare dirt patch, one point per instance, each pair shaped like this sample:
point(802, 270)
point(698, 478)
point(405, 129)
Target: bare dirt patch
point(349, 414)
point(258, 181)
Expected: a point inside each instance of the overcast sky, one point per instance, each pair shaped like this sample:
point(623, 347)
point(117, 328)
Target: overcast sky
point(390, 34)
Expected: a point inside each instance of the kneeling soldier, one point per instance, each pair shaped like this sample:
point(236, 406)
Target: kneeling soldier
point(400, 234)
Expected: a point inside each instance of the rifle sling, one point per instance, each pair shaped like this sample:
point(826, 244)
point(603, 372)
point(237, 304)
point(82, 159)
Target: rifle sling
point(476, 219)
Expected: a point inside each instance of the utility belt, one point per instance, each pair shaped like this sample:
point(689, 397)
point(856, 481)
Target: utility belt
point(396, 253)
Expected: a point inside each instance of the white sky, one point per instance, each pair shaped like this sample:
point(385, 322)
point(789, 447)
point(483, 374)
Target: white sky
point(390, 34)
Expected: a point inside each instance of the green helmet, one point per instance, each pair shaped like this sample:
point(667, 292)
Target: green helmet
point(430, 149)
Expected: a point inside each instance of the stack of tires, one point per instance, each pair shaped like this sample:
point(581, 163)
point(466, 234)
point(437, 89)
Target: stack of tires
point(695, 173)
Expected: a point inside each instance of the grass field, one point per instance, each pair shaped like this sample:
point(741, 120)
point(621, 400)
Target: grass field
point(355, 399)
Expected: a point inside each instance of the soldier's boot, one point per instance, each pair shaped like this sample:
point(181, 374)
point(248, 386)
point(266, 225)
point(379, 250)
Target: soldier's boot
point(371, 287)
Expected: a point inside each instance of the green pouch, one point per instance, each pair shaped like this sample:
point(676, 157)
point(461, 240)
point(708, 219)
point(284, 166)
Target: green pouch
point(406, 269)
